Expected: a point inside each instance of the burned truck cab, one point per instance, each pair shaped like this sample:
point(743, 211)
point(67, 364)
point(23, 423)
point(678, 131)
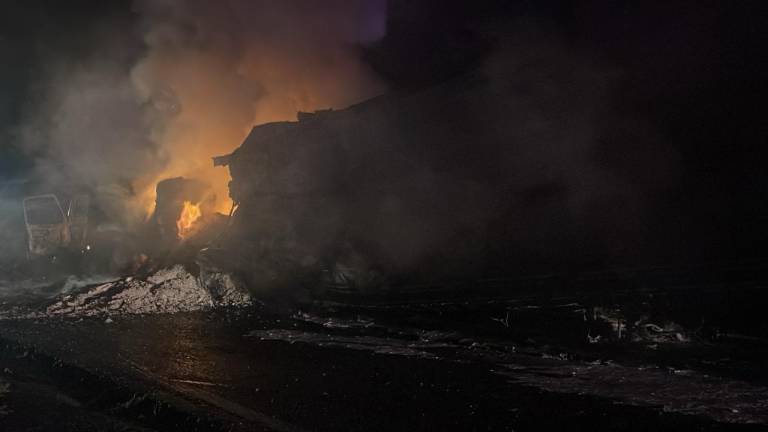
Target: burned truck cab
point(46, 225)
point(49, 229)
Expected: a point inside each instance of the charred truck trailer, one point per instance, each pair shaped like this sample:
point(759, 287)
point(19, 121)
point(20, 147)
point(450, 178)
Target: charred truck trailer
point(366, 191)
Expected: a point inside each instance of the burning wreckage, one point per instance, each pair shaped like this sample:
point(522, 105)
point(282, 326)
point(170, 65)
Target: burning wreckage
point(343, 200)
point(311, 203)
point(49, 229)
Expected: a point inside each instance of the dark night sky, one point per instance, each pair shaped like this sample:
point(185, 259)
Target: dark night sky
point(694, 72)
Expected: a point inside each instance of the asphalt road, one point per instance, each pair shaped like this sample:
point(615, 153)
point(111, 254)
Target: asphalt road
point(491, 364)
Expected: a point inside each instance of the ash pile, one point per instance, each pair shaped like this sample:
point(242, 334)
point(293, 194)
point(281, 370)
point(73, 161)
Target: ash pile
point(168, 290)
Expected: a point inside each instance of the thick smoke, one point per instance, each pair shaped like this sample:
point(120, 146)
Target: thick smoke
point(117, 123)
point(522, 164)
point(524, 159)
point(581, 176)
point(229, 65)
point(91, 132)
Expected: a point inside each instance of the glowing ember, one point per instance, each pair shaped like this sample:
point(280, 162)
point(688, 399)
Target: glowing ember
point(186, 223)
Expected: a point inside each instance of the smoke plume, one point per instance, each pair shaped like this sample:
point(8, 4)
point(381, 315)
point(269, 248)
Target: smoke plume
point(202, 75)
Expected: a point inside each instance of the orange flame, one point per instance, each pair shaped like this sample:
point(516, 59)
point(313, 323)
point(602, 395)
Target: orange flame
point(185, 225)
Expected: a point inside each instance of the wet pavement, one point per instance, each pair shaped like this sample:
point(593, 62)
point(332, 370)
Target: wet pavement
point(433, 361)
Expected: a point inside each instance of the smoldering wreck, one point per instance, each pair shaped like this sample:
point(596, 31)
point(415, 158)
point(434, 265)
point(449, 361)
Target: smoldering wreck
point(352, 199)
point(413, 186)
point(537, 210)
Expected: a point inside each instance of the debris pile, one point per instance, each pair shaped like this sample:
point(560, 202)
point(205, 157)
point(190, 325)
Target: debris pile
point(169, 290)
point(640, 329)
point(669, 332)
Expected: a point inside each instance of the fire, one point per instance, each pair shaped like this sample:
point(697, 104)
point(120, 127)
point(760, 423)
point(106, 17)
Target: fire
point(185, 225)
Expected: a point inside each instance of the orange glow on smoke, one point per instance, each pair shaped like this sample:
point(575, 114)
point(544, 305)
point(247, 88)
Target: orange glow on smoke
point(186, 223)
point(227, 76)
